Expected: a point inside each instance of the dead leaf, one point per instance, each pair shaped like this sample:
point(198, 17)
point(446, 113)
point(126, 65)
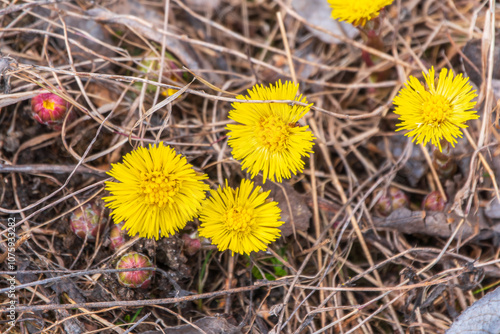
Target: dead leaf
point(437, 224)
point(203, 5)
point(473, 64)
point(318, 12)
point(481, 317)
point(210, 325)
point(416, 167)
point(294, 210)
point(492, 210)
point(102, 95)
point(146, 22)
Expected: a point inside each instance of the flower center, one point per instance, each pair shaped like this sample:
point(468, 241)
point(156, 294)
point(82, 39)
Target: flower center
point(436, 110)
point(239, 220)
point(273, 133)
point(48, 104)
point(159, 188)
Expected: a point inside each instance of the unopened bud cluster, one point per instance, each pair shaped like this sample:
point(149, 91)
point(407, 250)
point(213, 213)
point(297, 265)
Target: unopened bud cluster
point(86, 221)
point(117, 236)
point(49, 109)
point(137, 278)
point(391, 199)
point(434, 201)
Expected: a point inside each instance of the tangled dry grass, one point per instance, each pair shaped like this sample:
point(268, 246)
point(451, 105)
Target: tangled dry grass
point(340, 269)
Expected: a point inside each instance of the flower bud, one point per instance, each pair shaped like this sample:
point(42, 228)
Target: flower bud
point(134, 279)
point(49, 109)
point(154, 65)
point(392, 199)
point(117, 236)
point(434, 201)
point(86, 221)
point(192, 243)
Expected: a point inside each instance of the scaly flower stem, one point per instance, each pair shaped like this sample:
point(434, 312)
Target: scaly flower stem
point(229, 280)
point(443, 161)
point(433, 170)
point(371, 37)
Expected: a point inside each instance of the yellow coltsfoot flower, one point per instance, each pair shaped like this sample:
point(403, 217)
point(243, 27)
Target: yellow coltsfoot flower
point(436, 112)
point(267, 137)
point(357, 12)
point(241, 220)
point(157, 194)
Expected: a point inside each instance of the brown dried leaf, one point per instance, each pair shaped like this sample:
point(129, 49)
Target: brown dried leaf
point(474, 65)
point(151, 27)
point(439, 224)
point(294, 210)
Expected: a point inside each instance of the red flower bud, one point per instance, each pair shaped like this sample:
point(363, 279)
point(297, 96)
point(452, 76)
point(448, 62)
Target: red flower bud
point(49, 109)
point(138, 278)
point(117, 236)
point(391, 200)
point(192, 243)
point(434, 201)
point(86, 221)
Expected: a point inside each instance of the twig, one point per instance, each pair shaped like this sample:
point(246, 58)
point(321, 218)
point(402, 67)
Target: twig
point(287, 47)
point(160, 301)
point(46, 168)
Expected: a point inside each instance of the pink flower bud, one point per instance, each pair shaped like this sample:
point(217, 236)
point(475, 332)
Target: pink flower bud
point(117, 236)
point(434, 201)
point(192, 243)
point(86, 221)
point(391, 200)
point(138, 278)
point(49, 109)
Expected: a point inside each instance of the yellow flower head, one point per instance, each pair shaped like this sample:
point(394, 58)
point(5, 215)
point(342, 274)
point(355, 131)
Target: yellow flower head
point(357, 12)
point(241, 220)
point(158, 191)
point(267, 137)
point(436, 112)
